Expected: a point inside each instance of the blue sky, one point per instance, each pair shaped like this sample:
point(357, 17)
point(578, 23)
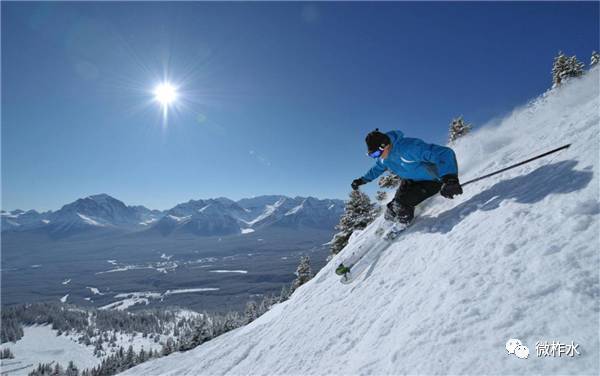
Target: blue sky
point(276, 98)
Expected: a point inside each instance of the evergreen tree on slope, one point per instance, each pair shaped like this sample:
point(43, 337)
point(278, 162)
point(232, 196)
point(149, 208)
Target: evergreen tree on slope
point(357, 215)
point(381, 196)
point(458, 128)
point(594, 59)
point(565, 67)
point(303, 273)
point(390, 180)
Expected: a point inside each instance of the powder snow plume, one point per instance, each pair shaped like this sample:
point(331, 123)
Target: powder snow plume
point(515, 257)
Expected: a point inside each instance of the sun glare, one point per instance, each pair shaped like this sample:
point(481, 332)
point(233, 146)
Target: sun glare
point(165, 94)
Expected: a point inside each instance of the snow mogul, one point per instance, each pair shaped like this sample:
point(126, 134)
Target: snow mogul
point(424, 170)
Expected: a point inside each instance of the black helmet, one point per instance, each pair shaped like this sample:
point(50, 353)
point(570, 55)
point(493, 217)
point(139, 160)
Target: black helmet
point(376, 140)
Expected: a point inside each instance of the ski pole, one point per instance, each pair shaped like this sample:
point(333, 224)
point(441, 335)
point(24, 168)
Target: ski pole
point(517, 164)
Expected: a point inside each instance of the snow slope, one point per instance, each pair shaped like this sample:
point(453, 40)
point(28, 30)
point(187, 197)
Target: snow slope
point(516, 256)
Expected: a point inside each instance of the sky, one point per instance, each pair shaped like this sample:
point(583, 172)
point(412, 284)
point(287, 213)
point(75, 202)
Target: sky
point(273, 98)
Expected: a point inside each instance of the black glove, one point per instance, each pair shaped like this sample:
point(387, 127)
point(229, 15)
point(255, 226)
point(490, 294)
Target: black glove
point(451, 186)
point(357, 183)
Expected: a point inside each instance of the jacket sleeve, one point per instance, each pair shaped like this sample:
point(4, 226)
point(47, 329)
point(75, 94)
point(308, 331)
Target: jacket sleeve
point(441, 156)
point(374, 172)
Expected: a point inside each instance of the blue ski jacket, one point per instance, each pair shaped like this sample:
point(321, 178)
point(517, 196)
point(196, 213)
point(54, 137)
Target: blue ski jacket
point(411, 158)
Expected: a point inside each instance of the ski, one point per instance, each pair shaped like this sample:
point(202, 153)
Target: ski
point(353, 266)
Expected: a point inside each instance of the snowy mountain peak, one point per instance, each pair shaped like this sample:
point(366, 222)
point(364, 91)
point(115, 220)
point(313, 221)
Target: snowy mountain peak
point(101, 197)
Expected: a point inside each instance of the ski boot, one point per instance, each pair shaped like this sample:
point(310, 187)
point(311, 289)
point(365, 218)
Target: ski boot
point(342, 270)
point(400, 213)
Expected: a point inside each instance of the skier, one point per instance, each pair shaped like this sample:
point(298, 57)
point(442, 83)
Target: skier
point(424, 170)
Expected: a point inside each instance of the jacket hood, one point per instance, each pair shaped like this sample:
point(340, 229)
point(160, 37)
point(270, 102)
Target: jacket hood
point(395, 136)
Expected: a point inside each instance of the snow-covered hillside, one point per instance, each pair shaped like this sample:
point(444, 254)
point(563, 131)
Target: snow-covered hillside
point(42, 344)
point(516, 256)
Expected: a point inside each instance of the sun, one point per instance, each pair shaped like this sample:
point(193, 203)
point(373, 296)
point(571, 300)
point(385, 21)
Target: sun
point(165, 94)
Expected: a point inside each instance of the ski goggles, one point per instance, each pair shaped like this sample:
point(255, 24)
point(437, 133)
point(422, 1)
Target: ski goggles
point(375, 154)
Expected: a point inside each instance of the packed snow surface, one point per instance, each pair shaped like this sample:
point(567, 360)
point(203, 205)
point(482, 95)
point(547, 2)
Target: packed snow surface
point(515, 257)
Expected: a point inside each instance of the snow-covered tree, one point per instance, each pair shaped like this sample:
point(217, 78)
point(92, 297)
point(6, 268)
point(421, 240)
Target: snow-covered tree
point(58, 370)
point(130, 357)
point(359, 212)
point(565, 67)
point(390, 180)
point(266, 303)
point(284, 294)
point(559, 68)
point(168, 347)
point(595, 58)
point(458, 128)
point(71, 370)
point(303, 273)
point(6, 354)
point(142, 356)
point(251, 311)
point(576, 67)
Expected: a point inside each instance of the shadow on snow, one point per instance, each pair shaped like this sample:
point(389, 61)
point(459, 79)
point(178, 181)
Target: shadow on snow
point(557, 178)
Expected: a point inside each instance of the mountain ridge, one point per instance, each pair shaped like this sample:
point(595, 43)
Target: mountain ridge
point(203, 217)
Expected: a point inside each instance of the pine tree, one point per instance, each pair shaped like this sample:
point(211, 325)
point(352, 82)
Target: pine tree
point(130, 358)
point(6, 354)
point(458, 128)
point(251, 312)
point(565, 67)
point(168, 347)
point(357, 215)
point(58, 370)
point(284, 294)
point(303, 273)
point(265, 304)
point(390, 180)
point(142, 356)
point(559, 68)
point(594, 59)
point(576, 68)
point(381, 196)
point(71, 370)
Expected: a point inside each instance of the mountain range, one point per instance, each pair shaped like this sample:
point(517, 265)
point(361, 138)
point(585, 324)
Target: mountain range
point(209, 217)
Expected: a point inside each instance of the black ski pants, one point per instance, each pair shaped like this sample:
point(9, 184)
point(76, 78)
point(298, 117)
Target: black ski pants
point(412, 193)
